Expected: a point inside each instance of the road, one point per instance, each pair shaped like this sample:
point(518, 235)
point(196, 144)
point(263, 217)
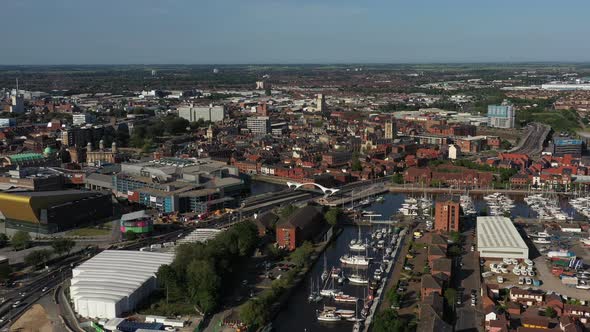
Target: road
point(469, 318)
point(532, 144)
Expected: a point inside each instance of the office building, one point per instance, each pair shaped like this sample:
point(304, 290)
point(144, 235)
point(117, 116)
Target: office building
point(115, 282)
point(446, 215)
point(206, 113)
point(7, 122)
point(259, 125)
point(501, 116)
point(563, 146)
point(17, 104)
point(565, 86)
point(389, 130)
point(498, 238)
point(80, 119)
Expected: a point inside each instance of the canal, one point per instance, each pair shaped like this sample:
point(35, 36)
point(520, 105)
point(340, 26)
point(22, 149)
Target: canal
point(300, 315)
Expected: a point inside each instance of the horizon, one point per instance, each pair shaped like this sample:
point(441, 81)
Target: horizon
point(68, 32)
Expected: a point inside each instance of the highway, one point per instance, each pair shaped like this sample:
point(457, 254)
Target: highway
point(533, 141)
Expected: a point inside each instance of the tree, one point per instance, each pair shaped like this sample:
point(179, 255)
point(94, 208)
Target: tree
point(3, 240)
point(450, 296)
point(38, 257)
point(333, 215)
point(5, 271)
point(203, 284)
point(62, 246)
point(248, 237)
point(130, 235)
point(254, 313)
point(398, 178)
point(455, 237)
point(176, 125)
point(356, 162)
point(20, 240)
point(287, 211)
point(550, 312)
point(454, 251)
point(302, 254)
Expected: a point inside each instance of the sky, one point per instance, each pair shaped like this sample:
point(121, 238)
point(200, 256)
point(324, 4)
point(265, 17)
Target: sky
point(292, 31)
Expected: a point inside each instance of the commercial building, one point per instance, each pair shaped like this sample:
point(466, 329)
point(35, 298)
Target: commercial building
point(563, 146)
point(565, 86)
point(206, 113)
point(180, 185)
point(115, 281)
point(446, 215)
point(7, 122)
point(301, 226)
point(498, 238)
point(79, 119)
point(53, 211)
point(501, 116)
point(17, 104)
point(337, 159)
point(259, 125)
point(139, 222)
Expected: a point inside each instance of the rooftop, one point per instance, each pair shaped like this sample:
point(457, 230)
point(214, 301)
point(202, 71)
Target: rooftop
point(493, 232)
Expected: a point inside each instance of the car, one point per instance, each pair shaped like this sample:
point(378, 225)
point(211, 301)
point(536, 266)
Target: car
point(44, 289)
point(472, 248)
point(529, 281)
point(473, 302)
point(500, 280)
point(408, 268)
point(474, 292)
point(401, 289)
point(583, 285)
point(23, 294)
point(521, 281)
point(459, 299)
point(16, 304)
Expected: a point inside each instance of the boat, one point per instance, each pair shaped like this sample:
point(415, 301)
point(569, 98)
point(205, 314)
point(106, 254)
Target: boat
point(355, 260)
point(585, 241)
point(357, 326)
point(358, 245)
point(325, 273)
point(329, 292)
point(358, 279)
point(336, 272)
point(314, 296)
point(379, 199)
point(329, 315)
point(345, 313)
point(344, 298)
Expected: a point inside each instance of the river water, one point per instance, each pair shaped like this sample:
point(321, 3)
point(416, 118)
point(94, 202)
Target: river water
point(299, 315)
point(259, 187)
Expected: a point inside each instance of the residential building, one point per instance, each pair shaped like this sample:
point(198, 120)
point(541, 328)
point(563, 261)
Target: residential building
point(259, 125)
point(501, 116)
point(206, 113)
point(79, 119)
point(446, 215)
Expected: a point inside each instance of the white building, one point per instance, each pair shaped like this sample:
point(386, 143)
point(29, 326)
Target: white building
point(498, 238)
point(17, 104)
point(115, 281)
point(454, 152)
point(259, 125)
point(207, 113)
point(565, 86)
point(80, 119)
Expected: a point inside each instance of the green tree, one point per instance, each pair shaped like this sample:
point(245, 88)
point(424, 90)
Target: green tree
point(5, 271)
point(38, 257)
point(287, 211)
point(176, 125)
point(450, 296)
point(398, 178)
point(62, 246)
point(301, 255)
point(3, 240)
point(389, 321)
point(20, 240)
point(454, 251)
point(203, 284)
point(130, 235)
point(455, 236)
point(254, 313)
point(356, 162)
point(248, 238)
point(332, 215)
point(550, 312)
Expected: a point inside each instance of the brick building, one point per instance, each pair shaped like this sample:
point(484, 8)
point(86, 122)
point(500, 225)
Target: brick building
point(446, 216)
point(301, 226)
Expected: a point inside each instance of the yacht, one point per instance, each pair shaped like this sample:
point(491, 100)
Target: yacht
point(329, 292)
point(329, 316)
point(357, 326)
point(358, 279)
point(585, 241)
point(345, 313)
point(355, 260)
point(344, 298)
point(314, 296)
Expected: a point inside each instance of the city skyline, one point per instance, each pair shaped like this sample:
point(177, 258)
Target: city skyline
point(288, 32)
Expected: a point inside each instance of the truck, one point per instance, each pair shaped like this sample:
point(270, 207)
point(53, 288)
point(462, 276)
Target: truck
point(569, 281)
point(560, 262)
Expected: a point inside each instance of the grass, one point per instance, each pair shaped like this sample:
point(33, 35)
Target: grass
point(98, 230)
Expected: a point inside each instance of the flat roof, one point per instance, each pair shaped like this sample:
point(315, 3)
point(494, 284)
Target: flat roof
point(498, 232)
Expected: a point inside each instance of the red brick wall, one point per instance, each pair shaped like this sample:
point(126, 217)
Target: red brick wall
point(286, 238)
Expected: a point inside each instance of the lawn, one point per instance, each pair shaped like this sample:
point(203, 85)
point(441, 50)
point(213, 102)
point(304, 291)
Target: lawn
point(98, 230)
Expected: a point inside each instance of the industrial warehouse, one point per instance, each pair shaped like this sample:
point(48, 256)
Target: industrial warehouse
point(498, 238)
point(115, 281)
point(49, 212)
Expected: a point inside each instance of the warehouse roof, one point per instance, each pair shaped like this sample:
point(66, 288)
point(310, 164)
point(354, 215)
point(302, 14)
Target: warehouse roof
point(115, 274)
point(498, 232)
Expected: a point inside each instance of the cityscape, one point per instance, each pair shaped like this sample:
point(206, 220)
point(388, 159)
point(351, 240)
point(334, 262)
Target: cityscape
point(215, 168)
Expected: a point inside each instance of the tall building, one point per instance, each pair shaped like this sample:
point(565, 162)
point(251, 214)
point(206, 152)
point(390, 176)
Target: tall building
point(259, 124)
point(389, 130)
point(263, 85)
point(18, 103)
point(501, 116)
point(206, 113)
point(563, 146)
point(79, 119)
point(446, 215)
point(321, 103)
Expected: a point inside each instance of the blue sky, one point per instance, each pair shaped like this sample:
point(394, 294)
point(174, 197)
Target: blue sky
point(290, 31)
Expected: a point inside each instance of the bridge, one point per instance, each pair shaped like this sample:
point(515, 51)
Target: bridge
point(326, 191)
